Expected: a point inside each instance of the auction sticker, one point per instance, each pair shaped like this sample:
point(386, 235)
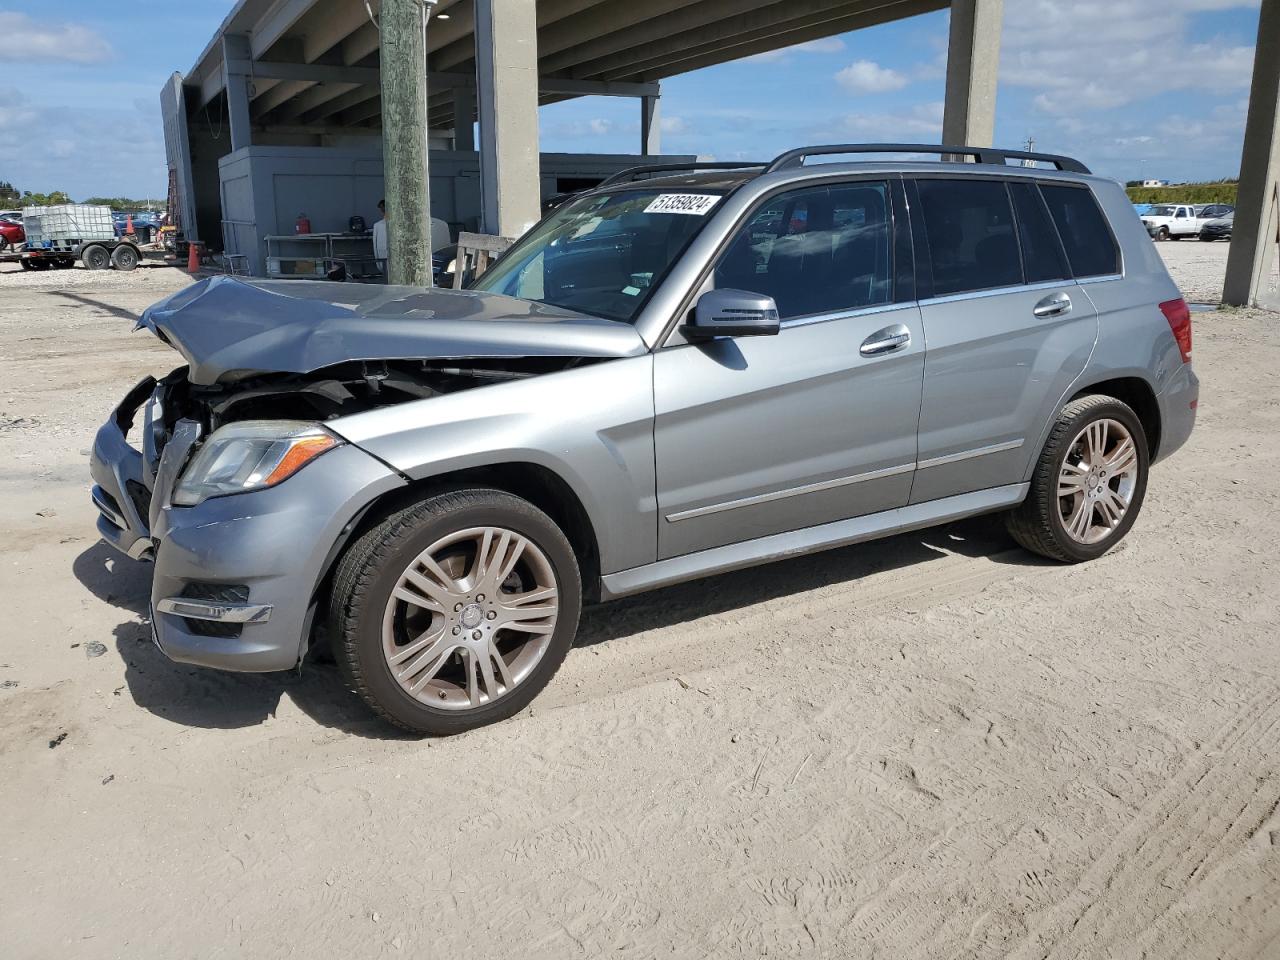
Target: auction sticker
point(692, 203)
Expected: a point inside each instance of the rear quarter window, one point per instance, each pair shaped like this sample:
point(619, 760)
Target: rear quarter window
point(1091, 248)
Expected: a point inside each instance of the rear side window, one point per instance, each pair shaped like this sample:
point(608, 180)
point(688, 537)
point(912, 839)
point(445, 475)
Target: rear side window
point(1090, 247)
point(817, 250)
point(972, 244)
point(1042, 257)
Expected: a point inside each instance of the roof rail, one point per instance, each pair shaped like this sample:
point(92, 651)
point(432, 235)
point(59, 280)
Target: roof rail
point(630, 173)
point(796, 158)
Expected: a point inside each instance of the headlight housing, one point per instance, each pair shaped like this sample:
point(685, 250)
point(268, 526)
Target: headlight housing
point(250, 455)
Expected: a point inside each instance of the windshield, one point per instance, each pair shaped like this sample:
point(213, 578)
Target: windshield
point(602, 254)
point(1160, 212)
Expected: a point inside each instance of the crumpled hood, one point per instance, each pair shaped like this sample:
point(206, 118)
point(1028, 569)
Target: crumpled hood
point(229, 329)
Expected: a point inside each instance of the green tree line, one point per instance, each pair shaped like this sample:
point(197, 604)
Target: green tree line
point(1221, 192)
point(11, 196)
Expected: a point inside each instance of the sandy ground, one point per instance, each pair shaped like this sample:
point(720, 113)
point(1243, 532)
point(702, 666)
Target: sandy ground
point(932, 746)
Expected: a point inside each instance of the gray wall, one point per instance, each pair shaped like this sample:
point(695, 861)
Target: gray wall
point(264, 188)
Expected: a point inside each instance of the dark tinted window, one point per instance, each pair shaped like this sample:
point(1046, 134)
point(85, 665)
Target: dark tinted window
point(1042, 257)
point(821, 250)
point(1084, 231)
point(969, 225)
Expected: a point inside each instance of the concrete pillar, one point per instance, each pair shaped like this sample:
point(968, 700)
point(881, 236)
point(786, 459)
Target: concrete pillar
point(973, 60)
point(650, 127)
point(1256, 230)
point(464, 118)
point(403, 68)
point(507, 81)
point(235, 75)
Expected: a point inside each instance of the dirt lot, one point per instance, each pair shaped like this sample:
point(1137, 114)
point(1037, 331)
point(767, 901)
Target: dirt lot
point(933, 746)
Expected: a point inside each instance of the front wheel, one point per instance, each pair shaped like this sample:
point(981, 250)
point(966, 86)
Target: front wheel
point(1088, 485)
point(455, 612)
point(1162, 233)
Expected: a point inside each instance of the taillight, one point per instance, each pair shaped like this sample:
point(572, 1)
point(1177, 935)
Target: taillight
point(1179, 316)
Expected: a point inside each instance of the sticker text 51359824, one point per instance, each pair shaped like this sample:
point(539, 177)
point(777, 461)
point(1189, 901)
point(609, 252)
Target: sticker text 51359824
point(693, 203)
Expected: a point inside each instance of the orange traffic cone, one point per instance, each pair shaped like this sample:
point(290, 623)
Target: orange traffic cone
point(193, 257)
point(128, 225)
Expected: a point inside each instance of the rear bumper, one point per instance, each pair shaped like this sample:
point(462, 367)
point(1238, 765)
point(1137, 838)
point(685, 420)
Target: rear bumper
point(1179, 401)
point(235, 577)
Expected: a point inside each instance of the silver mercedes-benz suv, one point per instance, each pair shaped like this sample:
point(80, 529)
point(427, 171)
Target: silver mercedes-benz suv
point(678, 373)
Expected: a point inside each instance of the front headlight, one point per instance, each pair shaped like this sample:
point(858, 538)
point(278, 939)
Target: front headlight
point(250, 455)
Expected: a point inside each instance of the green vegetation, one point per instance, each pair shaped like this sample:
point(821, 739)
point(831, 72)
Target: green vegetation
point(1221, 191)
point(11, 196)
point(124, 203)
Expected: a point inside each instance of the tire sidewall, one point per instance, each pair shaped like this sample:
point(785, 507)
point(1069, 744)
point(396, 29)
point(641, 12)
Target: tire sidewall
point(1109, 410)
point(410, 539)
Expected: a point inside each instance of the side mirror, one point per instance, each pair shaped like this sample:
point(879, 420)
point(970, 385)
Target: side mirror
point(732, 313)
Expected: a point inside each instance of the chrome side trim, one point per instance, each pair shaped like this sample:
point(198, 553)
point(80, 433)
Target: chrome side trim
point(735, 556)
point(790, 492)
point(1102, 279)
point(222, 612)
point(970, 454)
point(998, 291)
point(846, 314)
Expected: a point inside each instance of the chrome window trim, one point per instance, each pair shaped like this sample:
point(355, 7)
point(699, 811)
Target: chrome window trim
point(1101, 278)
point(790, 492)
point(998, 291)
point(969, 454)
point(844, 314)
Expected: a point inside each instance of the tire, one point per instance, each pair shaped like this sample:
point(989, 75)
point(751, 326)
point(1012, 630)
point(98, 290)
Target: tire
point(1162, 233)
point(95, 257)
point(27, 263)
point(1206, 238)
point(371, 625)
point(1039, 524)
point(124, 257)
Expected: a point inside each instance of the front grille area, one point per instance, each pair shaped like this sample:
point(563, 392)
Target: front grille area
point(140, 496)
point(218, 593)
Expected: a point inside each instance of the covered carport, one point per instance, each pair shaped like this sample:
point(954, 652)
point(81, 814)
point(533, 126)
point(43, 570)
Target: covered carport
point(300, 76)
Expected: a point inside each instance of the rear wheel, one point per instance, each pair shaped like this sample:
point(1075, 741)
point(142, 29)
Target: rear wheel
point(124, 257)
point(1088, 485)
point(457, 611)
point(95, 257)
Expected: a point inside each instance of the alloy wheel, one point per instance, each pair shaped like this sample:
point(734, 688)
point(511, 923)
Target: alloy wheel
point(470, 618)
point(1097, 481)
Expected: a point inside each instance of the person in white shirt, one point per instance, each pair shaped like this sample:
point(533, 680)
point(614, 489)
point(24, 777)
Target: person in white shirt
point(380, 238)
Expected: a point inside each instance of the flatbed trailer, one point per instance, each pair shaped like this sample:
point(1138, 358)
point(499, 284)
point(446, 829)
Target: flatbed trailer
point(121, 253)
point(58, 236)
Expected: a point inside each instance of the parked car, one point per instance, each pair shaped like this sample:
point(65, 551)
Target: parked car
point(145, 224)
point(1173, 221)
point(1218, 228)
point(437, 480)
point(12, 235)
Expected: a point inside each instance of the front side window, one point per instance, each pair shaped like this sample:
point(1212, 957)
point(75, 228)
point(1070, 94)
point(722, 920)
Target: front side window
point(602, 254)
point(969, 226)
point(815, 251)
point(1090, 247)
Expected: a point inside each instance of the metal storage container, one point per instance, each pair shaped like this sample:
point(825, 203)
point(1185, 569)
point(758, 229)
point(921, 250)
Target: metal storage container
point(67, 225)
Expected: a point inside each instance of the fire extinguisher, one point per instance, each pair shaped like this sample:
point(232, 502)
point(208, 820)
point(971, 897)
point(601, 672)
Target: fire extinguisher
point(303, 224)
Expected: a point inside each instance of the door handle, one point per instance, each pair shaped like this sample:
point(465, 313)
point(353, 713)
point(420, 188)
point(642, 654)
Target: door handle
point(1054, 305)
point(885, 341)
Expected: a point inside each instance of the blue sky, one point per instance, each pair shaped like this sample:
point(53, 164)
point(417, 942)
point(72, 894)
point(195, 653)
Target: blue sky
point(1135, 88)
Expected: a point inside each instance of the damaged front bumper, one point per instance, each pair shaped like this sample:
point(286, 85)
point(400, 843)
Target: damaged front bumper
point(236, 577)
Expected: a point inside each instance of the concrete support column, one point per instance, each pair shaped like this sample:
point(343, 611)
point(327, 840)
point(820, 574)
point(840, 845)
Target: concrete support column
point(236, 56)
point(650, 127)
point(973, 61)
point(403, 54)
point(464, 118)
point(507, 80)
point(1256, 232)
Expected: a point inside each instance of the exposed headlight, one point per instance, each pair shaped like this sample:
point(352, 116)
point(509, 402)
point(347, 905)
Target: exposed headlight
point(250, 455)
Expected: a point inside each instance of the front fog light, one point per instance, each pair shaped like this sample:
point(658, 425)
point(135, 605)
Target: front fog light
point(250, 455)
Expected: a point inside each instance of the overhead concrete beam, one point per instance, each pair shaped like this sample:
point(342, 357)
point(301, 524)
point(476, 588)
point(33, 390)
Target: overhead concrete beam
point(279, 19)
point(973, 63)
point(317, 96)
point(328, 26)
point(1255, 236)
point(360, 44)
point(281, 92)
point(315, 72)
point(337, 105)
point(694, 50)
point(507, 80)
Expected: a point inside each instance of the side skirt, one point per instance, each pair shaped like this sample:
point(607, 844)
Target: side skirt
point(778, 546)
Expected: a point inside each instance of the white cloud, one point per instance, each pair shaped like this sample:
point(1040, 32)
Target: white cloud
point(673, 125)
point(36, 41)
point(920, 122)
point(867, 76)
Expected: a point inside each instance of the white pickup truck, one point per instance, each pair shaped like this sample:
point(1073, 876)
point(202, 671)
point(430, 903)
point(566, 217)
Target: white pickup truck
point(1173, 221)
